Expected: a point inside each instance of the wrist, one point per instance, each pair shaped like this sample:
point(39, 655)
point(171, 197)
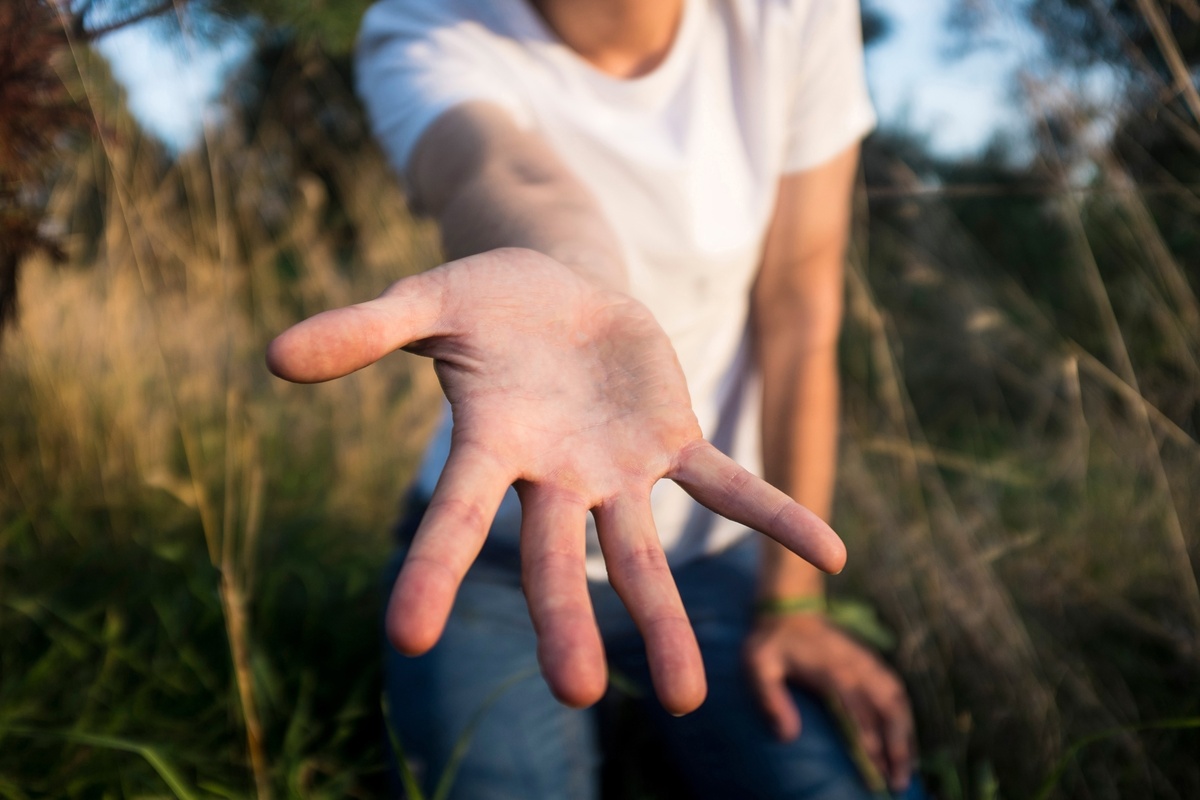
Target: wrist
point(790, 605)
point(595, 265)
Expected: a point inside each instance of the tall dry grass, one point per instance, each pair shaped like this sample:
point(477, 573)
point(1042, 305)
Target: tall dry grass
point(1024, 482)
point(136, 380)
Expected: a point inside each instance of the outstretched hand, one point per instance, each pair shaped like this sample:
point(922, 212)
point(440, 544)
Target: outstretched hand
point(573, 393)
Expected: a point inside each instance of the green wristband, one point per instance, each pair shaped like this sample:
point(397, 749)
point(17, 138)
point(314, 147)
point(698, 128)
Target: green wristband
point(777, 606)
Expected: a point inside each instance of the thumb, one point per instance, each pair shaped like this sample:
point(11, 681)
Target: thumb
point(769, 684)
point(340, 341)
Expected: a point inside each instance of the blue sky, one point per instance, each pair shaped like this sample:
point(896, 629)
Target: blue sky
point(960, 103)
point(171, 86)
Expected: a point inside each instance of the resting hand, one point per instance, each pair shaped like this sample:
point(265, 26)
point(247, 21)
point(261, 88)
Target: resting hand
point(812, 652)
point(573, 393)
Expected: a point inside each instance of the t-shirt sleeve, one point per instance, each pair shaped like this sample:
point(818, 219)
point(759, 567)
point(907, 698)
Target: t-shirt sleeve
point(416, 60)
point(831, 108)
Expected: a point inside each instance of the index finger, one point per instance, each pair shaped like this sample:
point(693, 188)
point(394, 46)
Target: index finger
point(720, 484)
point(899, 735)
point(446, 543)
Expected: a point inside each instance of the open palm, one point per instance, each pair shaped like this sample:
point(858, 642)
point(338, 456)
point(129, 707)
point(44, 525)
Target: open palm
point(574, 394)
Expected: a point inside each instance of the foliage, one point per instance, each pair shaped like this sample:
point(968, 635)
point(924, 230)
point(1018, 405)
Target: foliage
point(35, 114)
point(1023, 434)
point(1119, 33)
point(331, 25)
point(190, 549)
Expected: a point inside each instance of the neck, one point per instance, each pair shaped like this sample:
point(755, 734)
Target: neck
point(622, 38)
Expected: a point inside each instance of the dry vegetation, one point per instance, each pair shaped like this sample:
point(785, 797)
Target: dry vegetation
point(143, 438)
point(189, 549)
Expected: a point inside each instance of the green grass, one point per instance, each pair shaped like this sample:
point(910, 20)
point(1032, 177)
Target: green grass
point(117, 668)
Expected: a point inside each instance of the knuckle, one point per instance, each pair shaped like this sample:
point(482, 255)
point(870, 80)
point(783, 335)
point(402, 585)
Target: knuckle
point(737, 483)
point(760, 661)
point(785, 514)
point(550, 561)
point(461, 513)
point(892, 694)
point(430, 565)
point(394, 288)
point(643, 562)
point(559, 617)
point(663, 623)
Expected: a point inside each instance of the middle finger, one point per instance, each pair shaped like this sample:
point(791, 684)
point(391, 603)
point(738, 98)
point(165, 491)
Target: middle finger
point(553, 558)
point(638, 571)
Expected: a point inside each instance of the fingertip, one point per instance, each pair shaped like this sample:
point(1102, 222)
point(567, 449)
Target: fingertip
point(685, 692)
point(900, 783)
point(837, 556)
point(677, 672)
point(581, 690)
point(828, 551)
point(297, 356)
point(578, 699)
point(677, 669)
point(790, 727)
point(410, 633)
point(575, 671)
point(901, 752)
point(407, 641)
point(408, 638)
point(901, 776)
point(782, 712)
point(280, 356)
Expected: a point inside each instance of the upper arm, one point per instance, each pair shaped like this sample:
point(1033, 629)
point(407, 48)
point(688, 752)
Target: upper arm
point(417, 65)
point(477, 145)
point(798, 294)
point(453, 119)
point(490, 183)
point(829, 103)
point(799, 287)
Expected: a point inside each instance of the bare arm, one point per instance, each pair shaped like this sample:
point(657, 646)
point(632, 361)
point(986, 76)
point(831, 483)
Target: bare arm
point(490, 185)
point(797, 318)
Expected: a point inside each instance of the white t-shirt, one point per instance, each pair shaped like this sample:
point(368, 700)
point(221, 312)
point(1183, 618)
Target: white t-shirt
point(684, 161)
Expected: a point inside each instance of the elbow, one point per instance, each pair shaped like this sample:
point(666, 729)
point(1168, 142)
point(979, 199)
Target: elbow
point(811, 322)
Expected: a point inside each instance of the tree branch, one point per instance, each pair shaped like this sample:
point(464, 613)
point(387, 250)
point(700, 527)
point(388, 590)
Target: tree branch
point(81, 32)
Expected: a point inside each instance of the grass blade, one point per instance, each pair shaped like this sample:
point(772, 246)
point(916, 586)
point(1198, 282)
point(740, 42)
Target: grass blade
point(152, 756)
point(1051, 782)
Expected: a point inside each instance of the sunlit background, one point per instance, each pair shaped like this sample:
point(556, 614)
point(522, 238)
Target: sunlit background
point(190, 551)
point(922, 76)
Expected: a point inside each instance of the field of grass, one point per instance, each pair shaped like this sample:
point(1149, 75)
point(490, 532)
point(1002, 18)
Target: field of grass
point(190, 550)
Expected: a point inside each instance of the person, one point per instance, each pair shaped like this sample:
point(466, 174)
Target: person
point(646, 207)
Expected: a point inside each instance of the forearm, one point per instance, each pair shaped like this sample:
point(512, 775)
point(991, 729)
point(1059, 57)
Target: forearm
point(800, 425)
point(491, 185)
point(797, 315)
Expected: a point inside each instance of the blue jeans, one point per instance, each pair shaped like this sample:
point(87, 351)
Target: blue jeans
point(483, 674)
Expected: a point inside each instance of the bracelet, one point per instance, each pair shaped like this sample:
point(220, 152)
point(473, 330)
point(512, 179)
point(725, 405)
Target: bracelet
point(803, 604)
